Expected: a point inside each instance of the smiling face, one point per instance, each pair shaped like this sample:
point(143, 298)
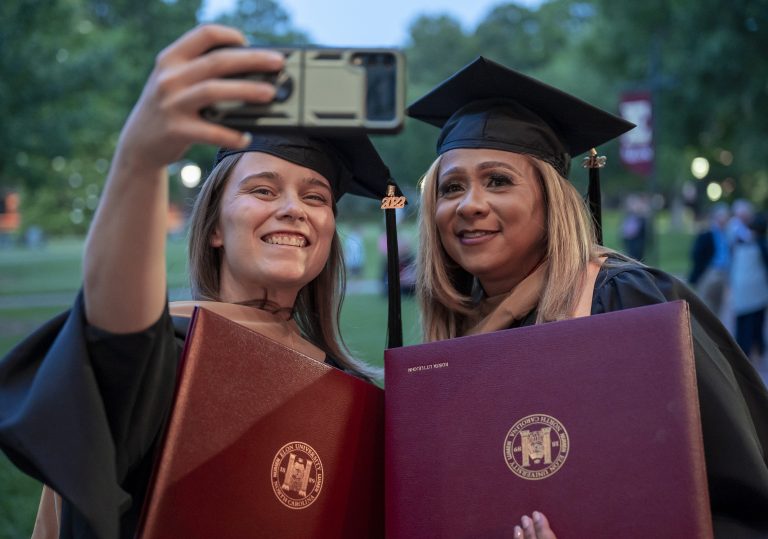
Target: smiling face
point(490, 215)
point(275, 229)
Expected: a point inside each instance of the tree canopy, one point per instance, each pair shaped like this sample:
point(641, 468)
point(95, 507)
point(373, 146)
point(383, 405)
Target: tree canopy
point(70, 70)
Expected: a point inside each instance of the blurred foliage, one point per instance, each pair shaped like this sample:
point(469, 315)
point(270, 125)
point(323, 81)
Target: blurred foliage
point(702, 59)
point(264, 22)
point(70, 70)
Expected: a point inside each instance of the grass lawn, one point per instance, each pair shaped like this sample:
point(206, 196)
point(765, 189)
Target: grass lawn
point(19, 496)
point(36, 284)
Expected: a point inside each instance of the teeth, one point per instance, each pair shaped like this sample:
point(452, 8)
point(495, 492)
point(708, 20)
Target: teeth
point(474, 234)
point(286, 239)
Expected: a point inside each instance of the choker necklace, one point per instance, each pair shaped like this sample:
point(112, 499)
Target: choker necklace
point(269, 306)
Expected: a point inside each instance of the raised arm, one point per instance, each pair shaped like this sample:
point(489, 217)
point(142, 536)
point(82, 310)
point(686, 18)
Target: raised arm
point(124, 264)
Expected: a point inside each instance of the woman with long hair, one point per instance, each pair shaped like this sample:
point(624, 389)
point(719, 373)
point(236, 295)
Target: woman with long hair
point(507, 241)
point(83, 401)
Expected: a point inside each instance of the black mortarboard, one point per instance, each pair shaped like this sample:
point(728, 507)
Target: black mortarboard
point(487, 105)
point(350, 162)
point(352, 165)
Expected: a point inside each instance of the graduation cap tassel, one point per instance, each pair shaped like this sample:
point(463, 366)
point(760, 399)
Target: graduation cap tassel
point(394, 319)
point(594, 163)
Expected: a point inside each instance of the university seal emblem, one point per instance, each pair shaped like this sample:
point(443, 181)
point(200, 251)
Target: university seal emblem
point(536, 447)
point(297, 475)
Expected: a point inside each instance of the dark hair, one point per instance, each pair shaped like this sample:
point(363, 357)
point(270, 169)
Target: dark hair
point(759, 224)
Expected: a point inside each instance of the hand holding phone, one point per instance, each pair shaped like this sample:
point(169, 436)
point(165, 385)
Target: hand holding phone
point(325, 90)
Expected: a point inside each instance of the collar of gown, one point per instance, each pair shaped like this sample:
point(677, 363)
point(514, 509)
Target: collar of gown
point(285, 332)
point(493, 313)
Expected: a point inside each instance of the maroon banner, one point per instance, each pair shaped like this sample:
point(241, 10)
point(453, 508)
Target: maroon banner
point(637, 152)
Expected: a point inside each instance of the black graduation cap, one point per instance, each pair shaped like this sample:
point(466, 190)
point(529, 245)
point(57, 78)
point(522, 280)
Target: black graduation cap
point(352, 165)
point(488, 105)
point(349, 162)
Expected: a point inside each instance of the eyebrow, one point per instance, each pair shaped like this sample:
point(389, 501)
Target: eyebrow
point(273, 177)
point(498, 164)
point(265, 175)
point(485, 165)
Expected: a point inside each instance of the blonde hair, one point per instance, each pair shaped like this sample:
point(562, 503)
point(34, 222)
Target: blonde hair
point(317, 309)
point(444, 289)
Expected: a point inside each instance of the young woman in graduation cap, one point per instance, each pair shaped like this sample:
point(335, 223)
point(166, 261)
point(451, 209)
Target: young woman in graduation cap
point(83, 400)
point(507, 241)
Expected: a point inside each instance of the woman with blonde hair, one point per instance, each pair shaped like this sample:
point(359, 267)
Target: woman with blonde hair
point(507, 241)
point(83, 401)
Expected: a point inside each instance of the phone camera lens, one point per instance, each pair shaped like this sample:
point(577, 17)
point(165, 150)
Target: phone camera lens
point(283, 88)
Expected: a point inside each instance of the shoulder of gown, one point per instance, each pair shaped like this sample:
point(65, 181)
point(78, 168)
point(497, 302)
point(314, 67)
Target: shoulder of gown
point(81, 410)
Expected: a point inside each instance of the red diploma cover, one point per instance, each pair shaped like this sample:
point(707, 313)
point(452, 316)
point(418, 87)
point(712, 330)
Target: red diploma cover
point(593, 421)
point(264, 441)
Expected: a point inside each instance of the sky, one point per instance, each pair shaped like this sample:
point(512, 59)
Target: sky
point(379, 23)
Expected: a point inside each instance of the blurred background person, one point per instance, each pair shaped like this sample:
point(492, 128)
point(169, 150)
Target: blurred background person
point(749, 288)
point(710, 258)
point(634, 226)
point(354, 252)
point(738, 225)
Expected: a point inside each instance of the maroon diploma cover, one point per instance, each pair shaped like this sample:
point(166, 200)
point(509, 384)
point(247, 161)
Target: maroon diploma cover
point(266, 442)
point(593, 421)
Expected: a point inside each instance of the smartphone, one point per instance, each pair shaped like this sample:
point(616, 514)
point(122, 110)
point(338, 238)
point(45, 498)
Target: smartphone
point(326, 90)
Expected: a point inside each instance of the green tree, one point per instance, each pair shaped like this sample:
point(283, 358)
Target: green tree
point(70, 71)
point(65, 94)
point(704, 59)
point(526, 38)
point(264, 22)
point(436, 47)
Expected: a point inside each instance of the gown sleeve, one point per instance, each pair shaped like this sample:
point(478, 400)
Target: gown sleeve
point(732, 398)
point(82, 410)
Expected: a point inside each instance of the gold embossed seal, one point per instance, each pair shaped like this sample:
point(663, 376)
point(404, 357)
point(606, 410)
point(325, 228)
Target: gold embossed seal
point(536, 447)
point(297, 475)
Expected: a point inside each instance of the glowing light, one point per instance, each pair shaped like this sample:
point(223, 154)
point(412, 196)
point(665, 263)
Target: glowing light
point(58, 163)
point(75, 180)
point(190, 175)
point(101, 165)
point(76, 216)
point(699, 167)
point(714, 191)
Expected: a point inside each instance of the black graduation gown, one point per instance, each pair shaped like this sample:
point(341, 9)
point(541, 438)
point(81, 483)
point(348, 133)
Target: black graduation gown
point(732, 397)
point(83, 410)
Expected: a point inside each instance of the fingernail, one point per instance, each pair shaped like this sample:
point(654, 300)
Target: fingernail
point(228, 104)
point(274, 55)
point(536, 516)
point(526, 522)
point(245, 139)
point(518, 531)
